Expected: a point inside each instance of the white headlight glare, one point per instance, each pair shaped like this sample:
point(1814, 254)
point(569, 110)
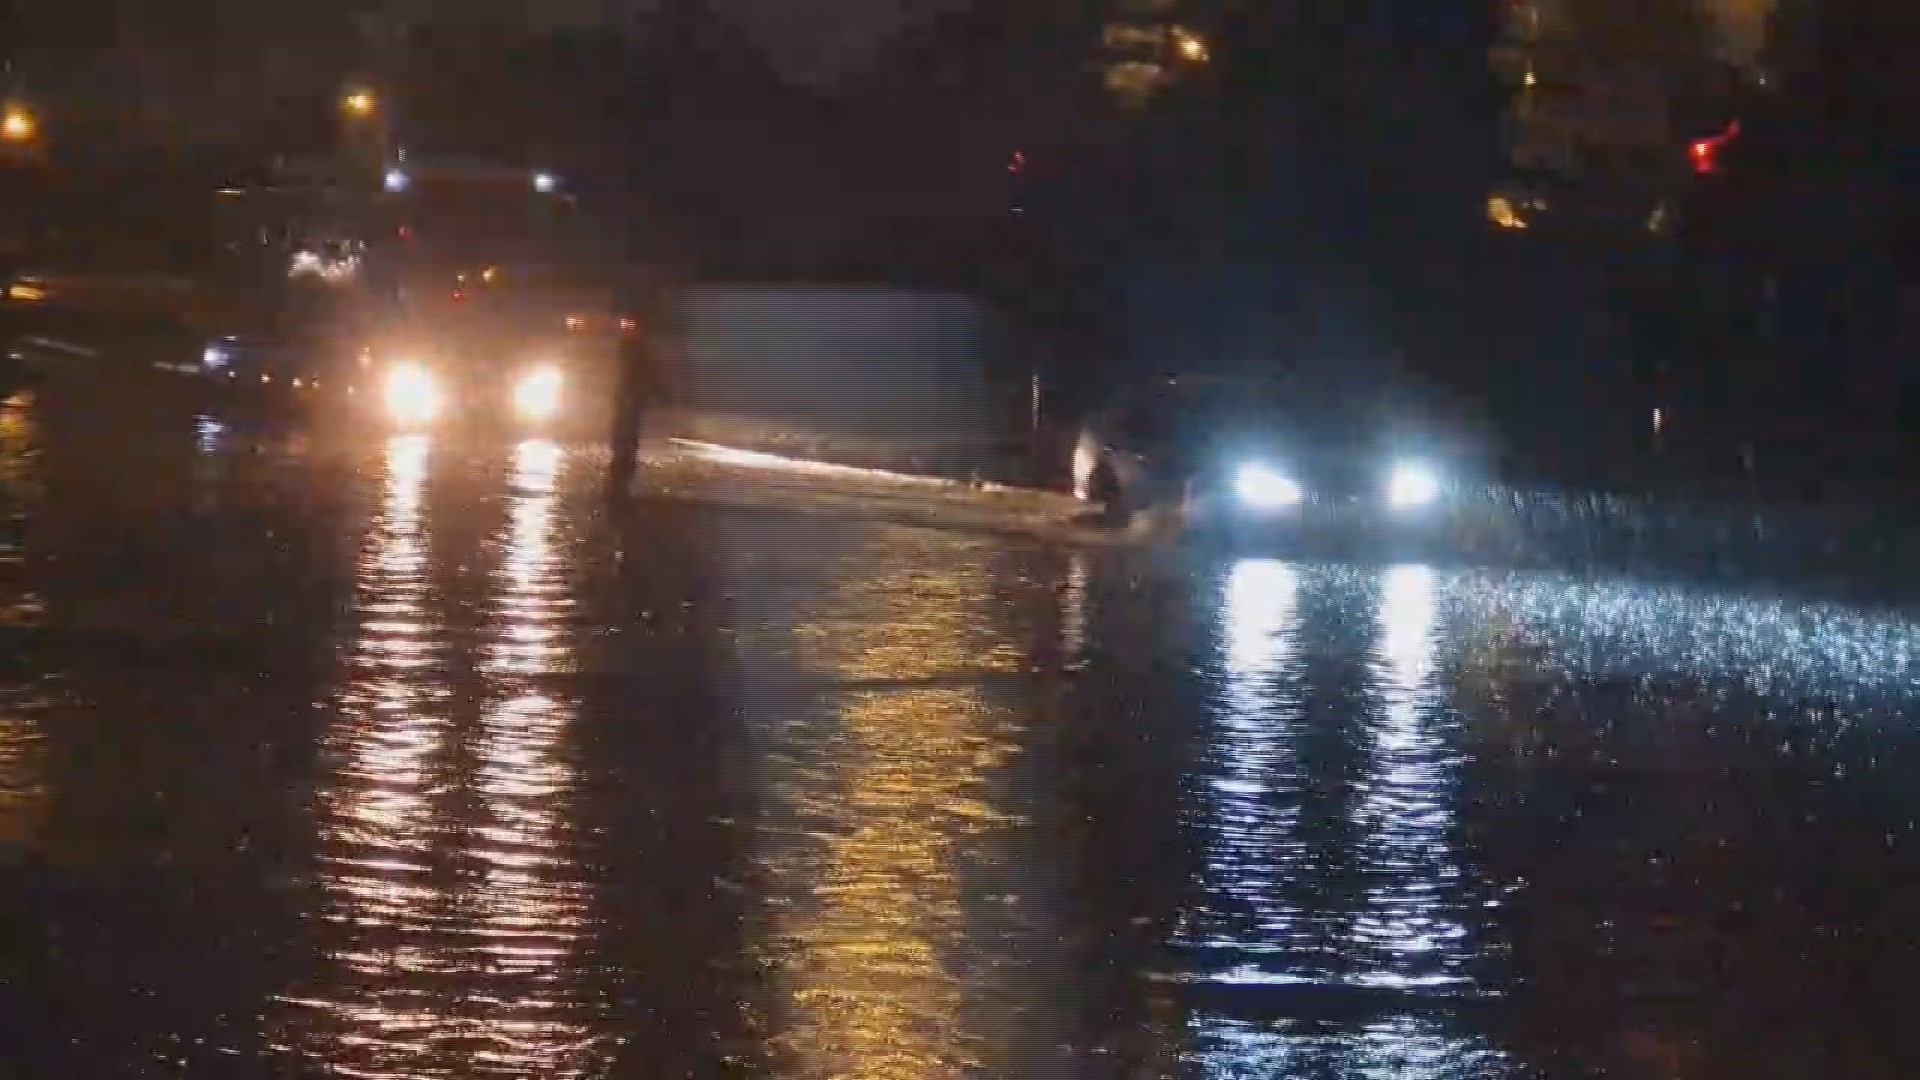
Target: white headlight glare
point(1260, 486)
point(412, 395)
point(536, 396)
point(1412, 484)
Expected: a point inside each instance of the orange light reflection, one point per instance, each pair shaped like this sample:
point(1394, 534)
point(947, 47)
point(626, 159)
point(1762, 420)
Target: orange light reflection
point(878, 909)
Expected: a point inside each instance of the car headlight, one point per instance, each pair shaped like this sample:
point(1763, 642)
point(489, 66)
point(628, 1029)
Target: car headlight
point(412, 394)
point(1260, 486)
point(537, 395)
point(1412, 484)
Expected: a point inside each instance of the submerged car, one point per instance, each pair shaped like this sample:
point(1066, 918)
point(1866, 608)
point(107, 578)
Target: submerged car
point(1274, 456)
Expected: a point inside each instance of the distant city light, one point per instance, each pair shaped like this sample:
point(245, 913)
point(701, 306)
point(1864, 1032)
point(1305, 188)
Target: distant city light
point(1191, 47)
point(333, 269)
point(396, 180)
point(1705, 153)
point(545, 182)
point(1501, 211)
point(1134, 81)
point(358, 103)
point(17, 124)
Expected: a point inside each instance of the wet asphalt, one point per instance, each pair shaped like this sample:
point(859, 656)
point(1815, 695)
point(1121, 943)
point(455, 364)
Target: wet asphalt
point(398, 757)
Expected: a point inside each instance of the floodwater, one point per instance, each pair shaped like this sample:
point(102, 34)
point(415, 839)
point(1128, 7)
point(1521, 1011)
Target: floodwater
point(414, 761)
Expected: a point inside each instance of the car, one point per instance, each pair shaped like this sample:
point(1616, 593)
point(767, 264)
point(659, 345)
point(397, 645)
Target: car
point(533, 392)
point(1274, 455)
point(494, 363)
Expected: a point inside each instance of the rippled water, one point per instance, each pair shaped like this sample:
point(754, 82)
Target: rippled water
point(456, 913)
point(429, 767)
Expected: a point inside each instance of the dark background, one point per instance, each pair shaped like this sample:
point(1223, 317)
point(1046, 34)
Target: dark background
point(1316, 191)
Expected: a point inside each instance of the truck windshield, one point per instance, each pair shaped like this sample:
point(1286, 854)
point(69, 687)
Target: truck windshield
point(469, 224)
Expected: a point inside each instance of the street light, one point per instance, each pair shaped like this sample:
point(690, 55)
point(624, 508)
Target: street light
point(1191, 46)
point(17, 124)
point(358, 103)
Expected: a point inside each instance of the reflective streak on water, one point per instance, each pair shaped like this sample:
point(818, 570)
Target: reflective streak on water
point(454, 914)
point(23, 692)
point(428, 768)
point(1343, 903)
point(894, 915)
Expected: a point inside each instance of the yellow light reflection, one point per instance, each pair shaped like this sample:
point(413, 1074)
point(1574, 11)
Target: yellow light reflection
point(23, 766)
point(1074, 613)
point(1191, 47)
point(531, 903)
point(17, 124)
point(879, 919)
point(452, 911)
point(24, 794)
point(1502, 212)
point(376, 812)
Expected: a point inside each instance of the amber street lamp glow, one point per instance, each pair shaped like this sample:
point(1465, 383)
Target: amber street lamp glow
point(358, 103)
point(17, 124)
point(1193, 48)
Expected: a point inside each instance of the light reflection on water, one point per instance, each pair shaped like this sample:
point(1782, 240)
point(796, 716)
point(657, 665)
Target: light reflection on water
point(1253, 818)
point(1074, 611)
point(23, 699)
point(1408, 928)
point(453, 911)
point(1352, 941)
point(884, 965)
point(532, 905)
point(1771, 645)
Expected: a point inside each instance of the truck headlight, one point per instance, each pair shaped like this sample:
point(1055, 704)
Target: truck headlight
point(1259, 486)
point(537, 395)
point(1412, 484)
point(412, 394)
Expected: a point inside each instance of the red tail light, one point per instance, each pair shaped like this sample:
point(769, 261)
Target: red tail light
point(1705, 153)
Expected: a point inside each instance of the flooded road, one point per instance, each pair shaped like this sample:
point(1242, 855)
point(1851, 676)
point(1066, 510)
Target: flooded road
point(415, 761)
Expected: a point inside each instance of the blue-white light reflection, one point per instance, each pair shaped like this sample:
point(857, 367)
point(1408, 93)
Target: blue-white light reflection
point(1324, 896)
point(1264, 488)
point(1405, 814)
point(1411, 484)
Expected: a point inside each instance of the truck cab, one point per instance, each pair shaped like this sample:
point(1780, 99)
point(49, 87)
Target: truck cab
point(488, 308)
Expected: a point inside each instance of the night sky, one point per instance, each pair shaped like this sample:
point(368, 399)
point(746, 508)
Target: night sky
point(814, 43)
